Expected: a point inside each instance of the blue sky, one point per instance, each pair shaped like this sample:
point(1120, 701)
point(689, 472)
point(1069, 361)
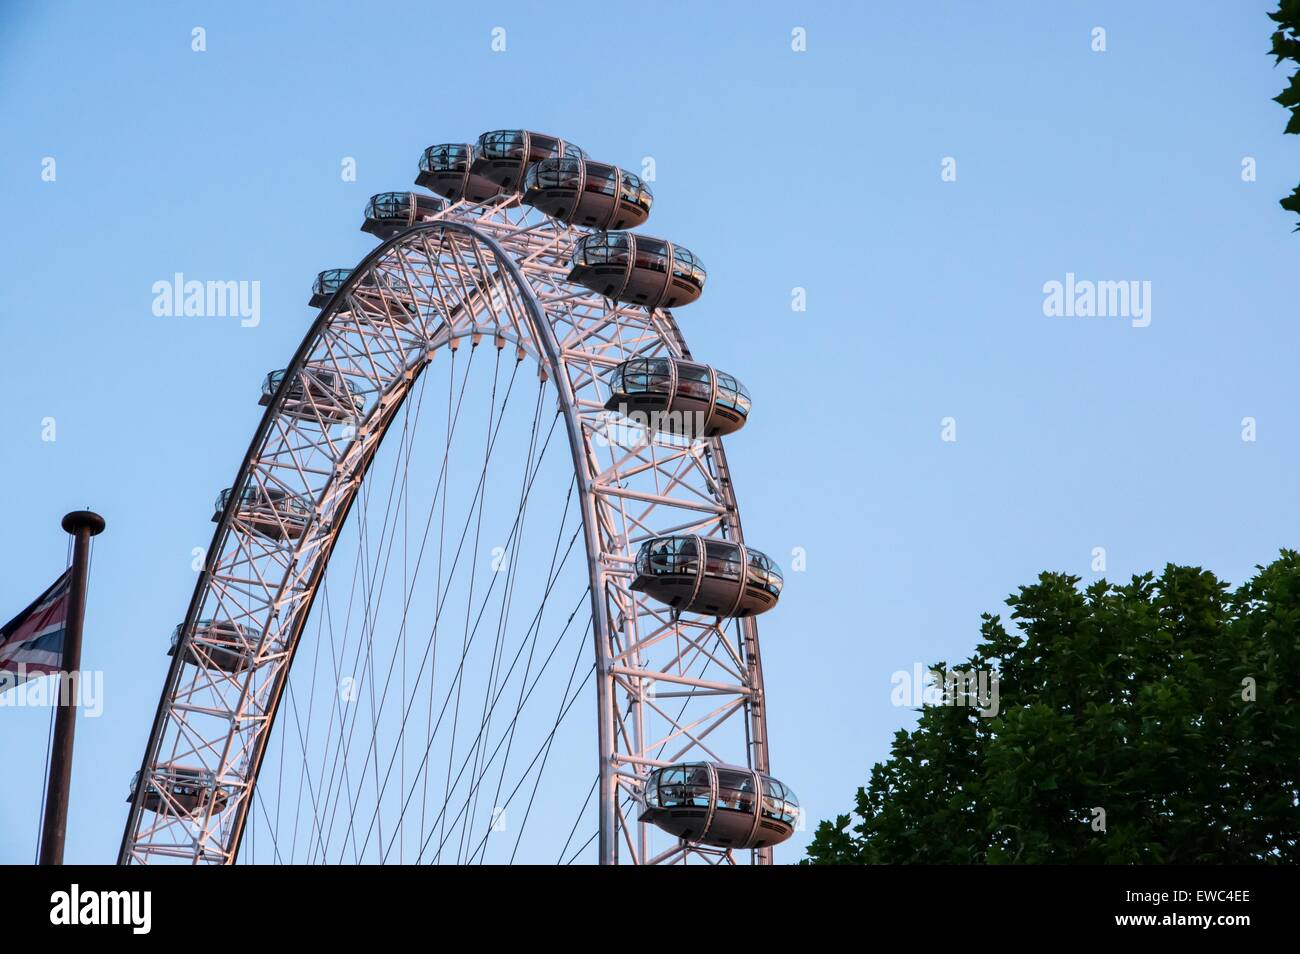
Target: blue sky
point(781, 169)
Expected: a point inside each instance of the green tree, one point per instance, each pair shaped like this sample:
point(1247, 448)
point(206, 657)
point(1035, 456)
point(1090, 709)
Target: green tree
point(1286, 46)
point(1170, 704)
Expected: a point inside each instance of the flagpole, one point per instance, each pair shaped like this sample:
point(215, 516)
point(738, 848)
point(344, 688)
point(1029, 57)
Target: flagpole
point(82, 524)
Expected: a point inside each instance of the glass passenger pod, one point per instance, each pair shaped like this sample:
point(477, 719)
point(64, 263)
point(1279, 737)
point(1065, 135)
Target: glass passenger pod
point(315, 394)
point(724, 806)
point(501, 156)
point(582, 192)
point(327, 285)
point(216, 644)
point(679, 397)
point(188, 791)
point(638, 269)
point(445, 169)
point(389, 213)
point(329, 282)
point(695, 574)
point(273, 513)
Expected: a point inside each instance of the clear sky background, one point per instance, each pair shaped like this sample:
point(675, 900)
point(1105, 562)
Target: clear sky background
point(817, 169)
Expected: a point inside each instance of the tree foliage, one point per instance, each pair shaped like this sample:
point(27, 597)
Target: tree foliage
point(1170, 704)
point(1286, 46)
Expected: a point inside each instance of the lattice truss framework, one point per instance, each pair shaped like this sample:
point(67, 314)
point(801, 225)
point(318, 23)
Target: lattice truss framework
point(666, 685)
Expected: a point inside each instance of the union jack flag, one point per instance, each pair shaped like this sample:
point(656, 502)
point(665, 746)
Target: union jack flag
point(31, 644)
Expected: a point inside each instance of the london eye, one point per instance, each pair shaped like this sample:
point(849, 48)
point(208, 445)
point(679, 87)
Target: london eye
point(478, 590)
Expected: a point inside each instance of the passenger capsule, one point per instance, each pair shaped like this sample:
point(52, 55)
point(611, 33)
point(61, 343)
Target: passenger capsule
point(327, 285)
point(501, 156)
point(678, 397)
point(184, 792)
point(725, 806)
point(272, 512)
point(329, 282)
point(582, 192)
point(637, 269)
point(697, 574)
point(445, 169)
point(315, 394)
point(216, 644)
point(389, 213)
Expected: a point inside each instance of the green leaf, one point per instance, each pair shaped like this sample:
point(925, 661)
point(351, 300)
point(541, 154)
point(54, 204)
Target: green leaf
point(1291, 95)
point(1288, 14)
point(1292, 202)
point(1285, 48)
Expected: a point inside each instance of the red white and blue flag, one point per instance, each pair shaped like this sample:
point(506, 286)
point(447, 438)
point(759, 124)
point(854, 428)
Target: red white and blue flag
point(31, 644)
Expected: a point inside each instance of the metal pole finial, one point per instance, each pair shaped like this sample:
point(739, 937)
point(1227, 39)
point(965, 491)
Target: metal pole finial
point(84, 520)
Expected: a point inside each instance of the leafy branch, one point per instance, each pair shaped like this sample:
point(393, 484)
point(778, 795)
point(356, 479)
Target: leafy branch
point(1286, 46)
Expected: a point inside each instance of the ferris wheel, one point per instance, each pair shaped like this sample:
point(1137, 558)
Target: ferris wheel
point(487, 491)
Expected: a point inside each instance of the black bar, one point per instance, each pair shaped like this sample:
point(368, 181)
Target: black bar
point(82, 524)
point(1011, 906)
